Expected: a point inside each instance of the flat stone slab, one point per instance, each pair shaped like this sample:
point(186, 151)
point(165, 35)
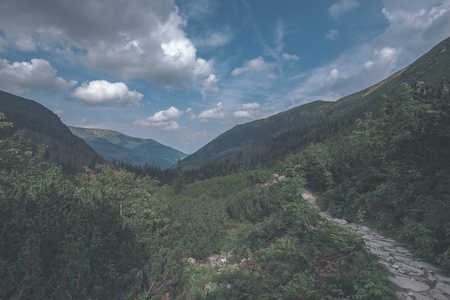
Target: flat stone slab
point(437, 294)
point(340, 221)
point(382, 244)
point(440, 278)
point(409, 284)
point(444, 288)
point(409, 269)
point(402, 250)
point(425, 266)
point(418, 296)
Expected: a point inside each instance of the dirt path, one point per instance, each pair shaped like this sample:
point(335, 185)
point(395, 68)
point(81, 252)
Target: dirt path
point(414, 279)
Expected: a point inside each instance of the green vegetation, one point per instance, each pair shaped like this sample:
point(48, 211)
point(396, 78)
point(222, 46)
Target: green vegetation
point(268, 140)
point(393, 171)
point(107, 234)
point(44, 127)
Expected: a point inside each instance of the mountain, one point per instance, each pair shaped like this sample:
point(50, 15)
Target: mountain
point(44, 127)
point(114, 145)
point(264, 140)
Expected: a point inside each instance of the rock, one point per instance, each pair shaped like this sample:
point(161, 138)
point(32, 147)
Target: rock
point(409, 284)
point(418, 296)
point(409, 269)
point(440, 278)
point(395, 266)
point(223, 260)
point(340, 221)
point(383, 244)
point(423, 265)
point(402, 250)
point(191, 260)
point(444, 288)
point(437, 294)
point(365, 228)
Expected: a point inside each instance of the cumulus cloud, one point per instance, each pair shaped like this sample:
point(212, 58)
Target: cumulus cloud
point(255, 65)
point(248, 111)
point(103, 92)
point(343, 6)
point(212, 113)
point(414, 25)
point(385, 58)
point(164, 118)
point(293, 57)
point(18, 77)
point(332, 34)
point(142, 39)
point(165, 115)
point(210, 85)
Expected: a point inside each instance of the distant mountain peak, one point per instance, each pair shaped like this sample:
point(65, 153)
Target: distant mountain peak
point(116, 146)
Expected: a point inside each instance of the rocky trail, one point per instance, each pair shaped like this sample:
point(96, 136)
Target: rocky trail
point(413, 278)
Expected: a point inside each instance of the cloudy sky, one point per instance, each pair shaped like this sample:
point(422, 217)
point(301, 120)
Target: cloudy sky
point(182, 72)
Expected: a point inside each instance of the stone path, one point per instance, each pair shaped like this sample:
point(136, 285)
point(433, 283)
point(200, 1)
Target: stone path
point(413, 278)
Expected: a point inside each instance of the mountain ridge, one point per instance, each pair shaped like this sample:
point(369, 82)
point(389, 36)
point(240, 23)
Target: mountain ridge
point(116, 146)
point(271, 138)
point(45, 127)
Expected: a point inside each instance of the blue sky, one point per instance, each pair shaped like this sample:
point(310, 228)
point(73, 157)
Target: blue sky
point(183, 72)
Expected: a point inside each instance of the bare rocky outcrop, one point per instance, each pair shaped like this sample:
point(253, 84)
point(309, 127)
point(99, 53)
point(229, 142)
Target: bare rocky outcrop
point(413, 278)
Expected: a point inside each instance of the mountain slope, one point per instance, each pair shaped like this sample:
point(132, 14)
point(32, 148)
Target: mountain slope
point(44, 127)
point(267, 139)
point(116, 146)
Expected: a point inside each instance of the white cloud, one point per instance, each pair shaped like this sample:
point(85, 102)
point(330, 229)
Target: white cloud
point(171, 113)
point(248, 111)
point(103, 92)
point(210, 85)
point(386, 58)
point(338, 9)
point(213, 39)
point(332, 34)
point(414, 26)
point(164, 118)
point(142, 39)
point(255, 65)
point(59, 112)
point(286, 56)
point(18, 77)
point(212, 113)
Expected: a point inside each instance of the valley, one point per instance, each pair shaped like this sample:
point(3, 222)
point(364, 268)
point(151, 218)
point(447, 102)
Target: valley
point(223, 225)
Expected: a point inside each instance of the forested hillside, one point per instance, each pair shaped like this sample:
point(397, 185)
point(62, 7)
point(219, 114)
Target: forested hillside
point(266, 140)
point(44, 127)
point(118, 147)
point(393, 170)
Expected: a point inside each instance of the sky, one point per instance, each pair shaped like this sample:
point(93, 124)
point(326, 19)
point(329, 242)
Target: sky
point(182, 72)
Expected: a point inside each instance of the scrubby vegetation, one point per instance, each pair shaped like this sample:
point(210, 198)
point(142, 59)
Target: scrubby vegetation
point(107, 233)
point(393, 171)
